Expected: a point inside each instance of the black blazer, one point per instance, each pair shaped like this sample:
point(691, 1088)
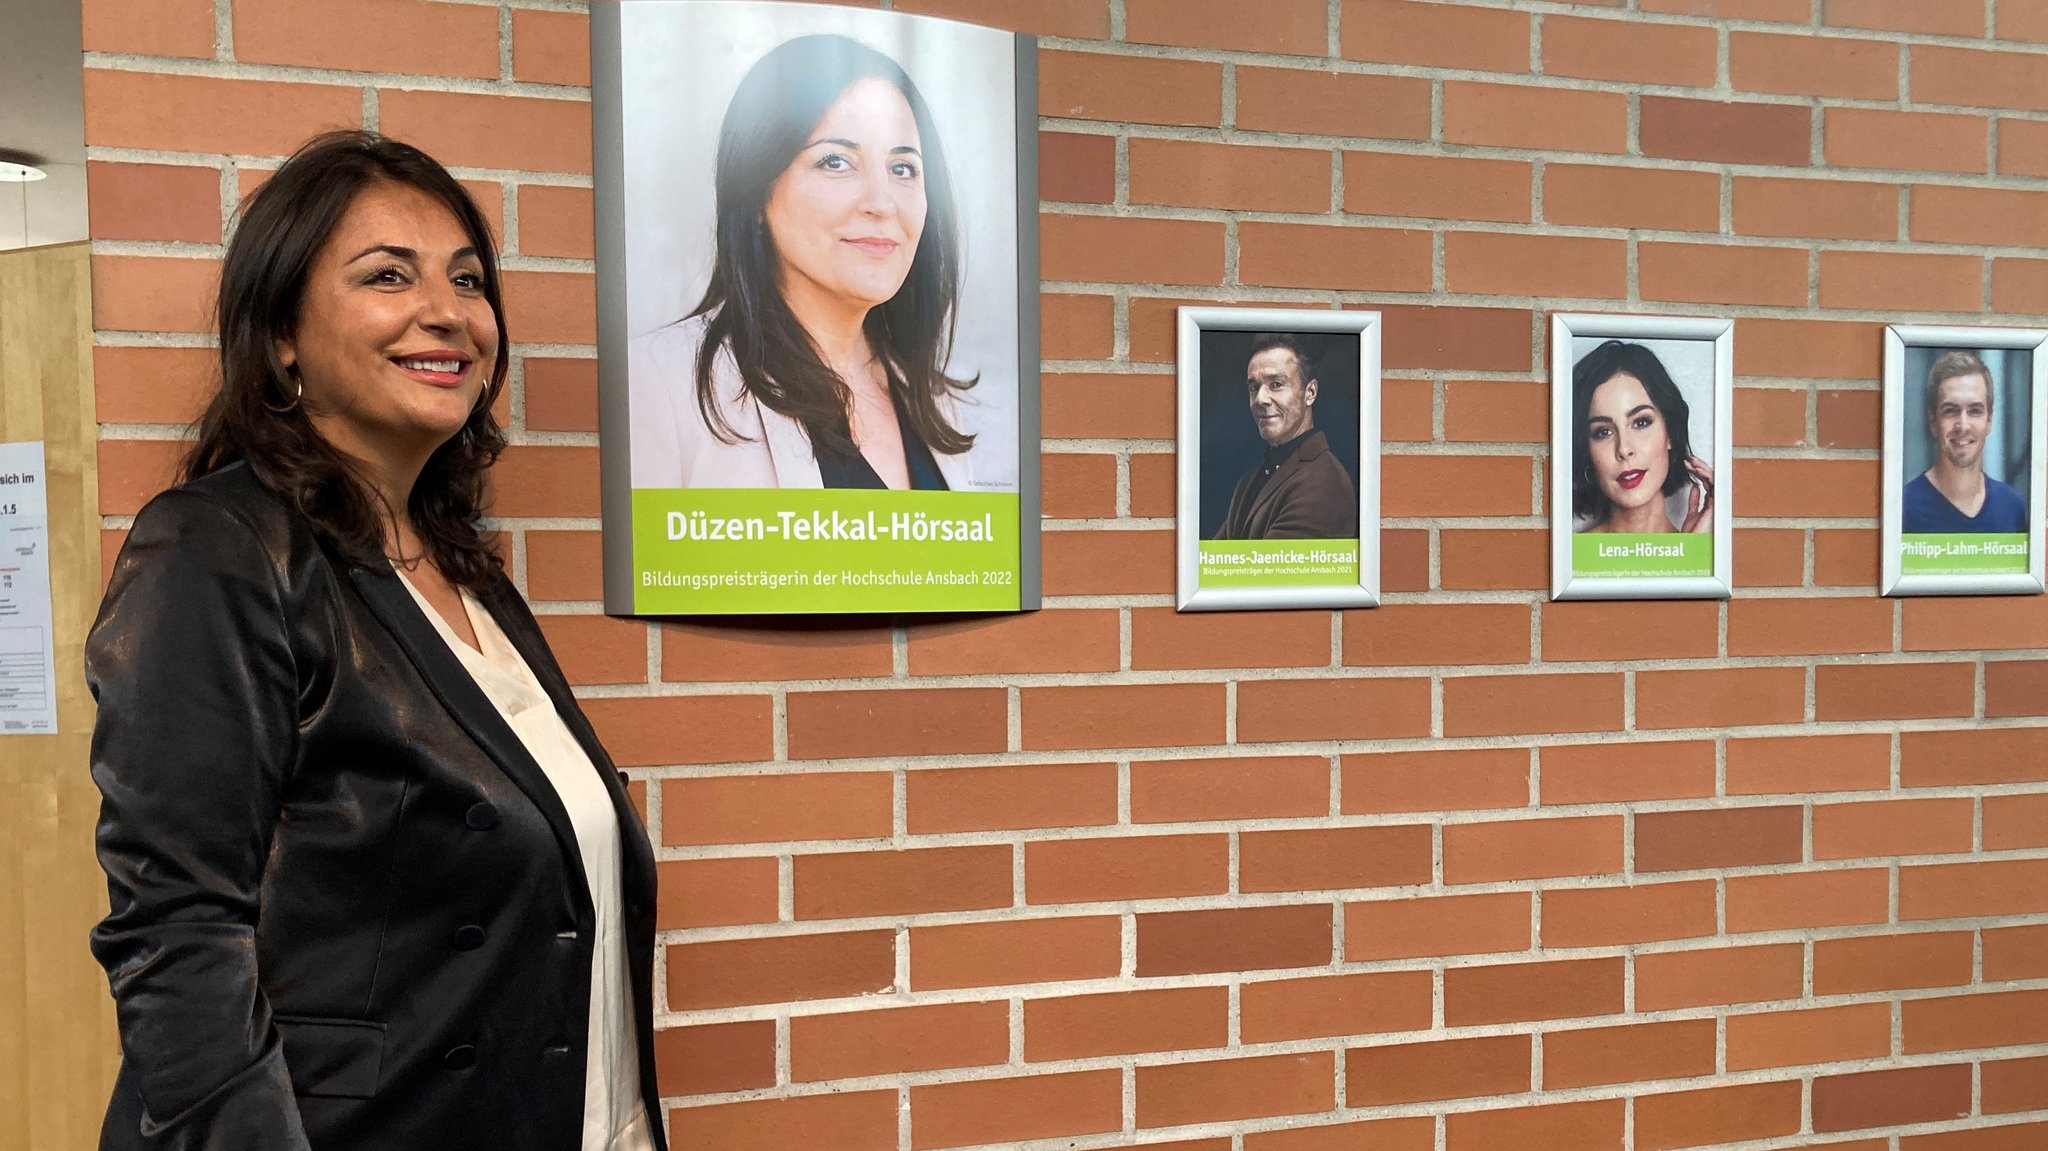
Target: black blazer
point(348, 909)
point(1308, 497)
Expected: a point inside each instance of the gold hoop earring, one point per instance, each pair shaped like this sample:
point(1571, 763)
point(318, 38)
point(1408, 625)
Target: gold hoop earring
point(298, 394)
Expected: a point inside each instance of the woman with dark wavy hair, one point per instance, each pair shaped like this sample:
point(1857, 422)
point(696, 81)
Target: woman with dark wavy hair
point(374, 883)
point(818, 354)
point(1632, 445)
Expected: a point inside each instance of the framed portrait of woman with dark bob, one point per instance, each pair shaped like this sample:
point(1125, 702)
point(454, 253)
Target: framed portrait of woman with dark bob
point(817, 309)
point(1640, 416)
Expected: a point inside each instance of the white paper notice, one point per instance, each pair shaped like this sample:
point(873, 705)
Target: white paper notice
point(28, 666)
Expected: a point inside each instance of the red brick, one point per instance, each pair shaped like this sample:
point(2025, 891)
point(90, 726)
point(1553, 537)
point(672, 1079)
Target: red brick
point(1010, 797)
point(1469, 339)
point(152, 294)
point(1437, 187)
point(662, 730)
point(854, 884)
point(1436, 634)
point(1770, 557)
point(1430, 926)
point(715, 892)
point(1077, 485)
point(556, 221)
point(1960, 758)
point(1891, 962)
point(1645, 913)
point(1917, 141)
point(1630, 51)
point(1413, 1133)
point(2009, 1137)
point(1532, 848)
point(1975, 78)
point(1284, 711)
point(1162, 638)
point(1177, 1094)
point(1323, 103)
point(1809, 1035)
point(719, 652)
point(551, 307)
point(1532, 704)
point(1062, 640)
point(1230, 176)
point(1289, 27)
point(1720, 697)
point(551, 47)
point(1083, 19)
point(213, 115)
point(1810, 349)
point(1434, 35)
point(1607, 196)
point(1460, 780)
point(2022, 147)
point(1605, 773)
point(561, 394)
point(1434, 486)
point(564, 565)
point(474, 130)
point(402, 36)
point(1789, 11)
point(1343, 257)
point(2019, 285)
point(854, 724)
point(1975, 216)
point(1970, 890)
point(1321, 859)
point(1407, 410)
point(852, 1121)
point(1107, 249)
point(154, 202)
point(1122, 715)
point(2011, 1085)
point(1362, 1003)
point(1823, 209)
point(2017, 687)
point(715, 1058)
point(1718, 838)
point(1723, 132)
point(1076, 327)
point(895, 1040)
point(1717, 1115)
point(1125, 1023)
point(1496, 411)
point(1234, 939)
point(1108, 562)
point(1589, 1126)
point(1015, 1110)
point(1493, 559)
point(1894, 691)
point(1126, 868)
point(545, 480)
point(1437, 1069)
point(152, 385)
point(1542, 119)
point(734, 972)
point(1770, 417)
point(1845, 557)
point(149, 27)
point(1516, 264)
point(1904, 16)
point(1076, 168)
point(1718, 976)
point(1014, 951)
point(1892, 827)
point(1133, 89)
point(1802, 899)
point(1891, 1098)
point(1970, 623)
point(1595, 1056)
point(1108, 406)
point(1627, 631)
point(1722, 274)
point(2015, 822)
point(777, 808)
point(1187, 790)
point(1807, 65)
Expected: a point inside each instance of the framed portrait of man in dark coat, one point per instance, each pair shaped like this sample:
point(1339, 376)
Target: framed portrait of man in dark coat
point(1279, 458)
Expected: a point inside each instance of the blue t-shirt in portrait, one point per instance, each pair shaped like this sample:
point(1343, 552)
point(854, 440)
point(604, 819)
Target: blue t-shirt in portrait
point(1924, 510)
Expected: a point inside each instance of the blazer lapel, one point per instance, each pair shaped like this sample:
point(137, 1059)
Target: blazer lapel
point(451, 683)
point(789, 451)
point(1261, 516)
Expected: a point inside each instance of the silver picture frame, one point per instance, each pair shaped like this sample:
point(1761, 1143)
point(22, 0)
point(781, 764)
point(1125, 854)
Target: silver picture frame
point(1566, 328)
point(1899, 339)
point(1193, 324)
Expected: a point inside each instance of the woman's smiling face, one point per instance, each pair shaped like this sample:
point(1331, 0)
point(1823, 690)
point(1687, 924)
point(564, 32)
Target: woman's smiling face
point(1629, 442)
point(846, 215)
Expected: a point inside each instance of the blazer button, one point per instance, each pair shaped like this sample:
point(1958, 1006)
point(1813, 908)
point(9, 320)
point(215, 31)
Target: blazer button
point(481, 817)
point(459, 1058)
point(469, 937)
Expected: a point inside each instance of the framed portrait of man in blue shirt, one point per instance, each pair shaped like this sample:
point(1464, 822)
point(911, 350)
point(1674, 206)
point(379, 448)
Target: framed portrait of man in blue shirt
point(1964, 434)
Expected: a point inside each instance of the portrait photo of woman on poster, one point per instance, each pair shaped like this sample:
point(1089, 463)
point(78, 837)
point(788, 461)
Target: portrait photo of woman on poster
point(1632, 456)
point(820, 351)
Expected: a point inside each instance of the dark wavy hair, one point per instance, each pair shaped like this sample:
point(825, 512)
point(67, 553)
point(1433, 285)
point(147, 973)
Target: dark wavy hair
point(769, 121)
point(1598, 366)
point(255, 416)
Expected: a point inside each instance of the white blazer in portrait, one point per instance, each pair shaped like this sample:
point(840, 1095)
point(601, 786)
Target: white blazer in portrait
point(674, 447)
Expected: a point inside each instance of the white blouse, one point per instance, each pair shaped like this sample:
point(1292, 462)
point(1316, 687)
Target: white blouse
point(614, 1118)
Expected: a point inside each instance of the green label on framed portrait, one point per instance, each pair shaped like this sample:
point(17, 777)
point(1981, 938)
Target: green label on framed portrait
point(1277, 563)
point(1651, 554)
point(1963, 553)
point(704, 551)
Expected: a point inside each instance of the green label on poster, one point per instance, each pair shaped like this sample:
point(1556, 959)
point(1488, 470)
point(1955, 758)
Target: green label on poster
point(1277, 563)
point(1654, 555)
point(750, 550)
point(1963, 553)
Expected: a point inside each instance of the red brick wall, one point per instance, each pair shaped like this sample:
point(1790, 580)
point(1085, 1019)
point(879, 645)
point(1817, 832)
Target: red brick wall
point(1471, 871)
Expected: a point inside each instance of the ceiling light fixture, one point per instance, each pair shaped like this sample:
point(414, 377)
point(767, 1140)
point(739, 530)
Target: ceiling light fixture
point(13, 173)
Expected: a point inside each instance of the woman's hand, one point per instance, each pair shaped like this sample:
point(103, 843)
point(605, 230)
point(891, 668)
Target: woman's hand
point(1699, 500)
